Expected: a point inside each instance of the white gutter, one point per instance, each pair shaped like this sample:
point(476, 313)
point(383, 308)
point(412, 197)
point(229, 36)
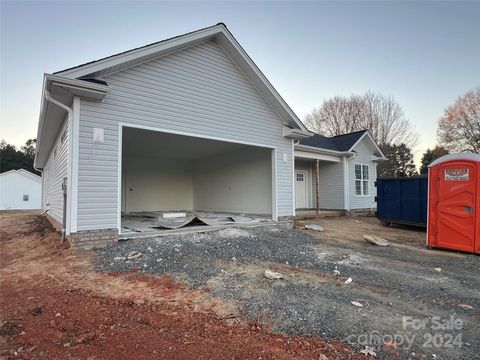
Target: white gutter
point(296, 134)
point(49, 97)
point(322, 150)
point(69, 110)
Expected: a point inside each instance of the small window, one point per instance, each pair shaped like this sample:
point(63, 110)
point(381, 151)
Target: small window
point(300, 177)
point(362, 177)
point(25, 197)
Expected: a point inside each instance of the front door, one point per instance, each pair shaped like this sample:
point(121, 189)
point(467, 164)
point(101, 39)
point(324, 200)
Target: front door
point(300, 189)
point(453, 206)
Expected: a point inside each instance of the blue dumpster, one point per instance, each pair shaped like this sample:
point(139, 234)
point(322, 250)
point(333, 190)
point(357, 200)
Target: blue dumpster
point(402, 200)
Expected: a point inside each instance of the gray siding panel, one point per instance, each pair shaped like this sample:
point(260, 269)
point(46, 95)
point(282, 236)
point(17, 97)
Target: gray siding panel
point(197, 90)
point(56, 168)
point(331, 185)
point(364, 157)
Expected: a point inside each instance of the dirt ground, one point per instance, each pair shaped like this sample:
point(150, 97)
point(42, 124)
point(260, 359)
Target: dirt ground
point(55, 306)
point(405, 289)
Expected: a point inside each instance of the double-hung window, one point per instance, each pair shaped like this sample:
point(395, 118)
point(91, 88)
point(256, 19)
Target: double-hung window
point(362, 178)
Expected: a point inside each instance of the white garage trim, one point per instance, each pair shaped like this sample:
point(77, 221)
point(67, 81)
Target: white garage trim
point(293, 178)
point(169, 131)
point(73, 160)
point(346, 200)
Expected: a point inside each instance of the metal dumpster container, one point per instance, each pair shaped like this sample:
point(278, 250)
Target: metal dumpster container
point(454, 203)
point(402, 200)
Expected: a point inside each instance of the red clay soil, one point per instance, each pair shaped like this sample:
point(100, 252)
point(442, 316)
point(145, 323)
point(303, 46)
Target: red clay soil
point(54, 306)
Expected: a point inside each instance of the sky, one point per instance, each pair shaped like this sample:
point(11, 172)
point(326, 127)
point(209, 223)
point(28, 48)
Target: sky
point(424, 54)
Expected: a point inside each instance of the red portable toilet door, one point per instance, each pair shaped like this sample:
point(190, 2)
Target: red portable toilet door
point(453, 197)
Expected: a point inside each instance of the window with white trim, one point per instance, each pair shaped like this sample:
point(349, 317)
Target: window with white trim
point(362, 177)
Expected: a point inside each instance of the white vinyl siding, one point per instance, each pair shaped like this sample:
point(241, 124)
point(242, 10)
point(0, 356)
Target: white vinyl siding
point(56, 168)
point(363, 157)
point(198, 91)
point(331, 185)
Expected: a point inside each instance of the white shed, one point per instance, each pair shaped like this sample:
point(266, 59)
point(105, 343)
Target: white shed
point(20, 190)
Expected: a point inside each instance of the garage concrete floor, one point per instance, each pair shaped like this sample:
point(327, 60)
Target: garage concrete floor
point(153, 223)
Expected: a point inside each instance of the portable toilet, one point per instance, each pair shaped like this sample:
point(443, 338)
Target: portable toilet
point(454, 202)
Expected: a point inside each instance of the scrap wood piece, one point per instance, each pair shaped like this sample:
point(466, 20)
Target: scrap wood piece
point(356, 303)
point(314, 227)
point(246, 219)
point(174, 215)
point(271, 275)
point(375, 240)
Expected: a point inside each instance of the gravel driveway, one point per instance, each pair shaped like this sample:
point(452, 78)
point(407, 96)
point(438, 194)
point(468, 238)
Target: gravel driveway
point(404, 289)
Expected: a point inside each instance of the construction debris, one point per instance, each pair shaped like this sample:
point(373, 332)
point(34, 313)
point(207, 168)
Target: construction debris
point(314, 227)
point(375, 240)
point(174, 215)
point(171, 222)
point(356, 303)
point(348, 281)
point(133, 255)
point(438, 269)
point(271, 275)
point(368, 351)
point(38, 310)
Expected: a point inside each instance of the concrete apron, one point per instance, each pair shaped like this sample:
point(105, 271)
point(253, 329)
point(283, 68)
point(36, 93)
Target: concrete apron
point(312, 214)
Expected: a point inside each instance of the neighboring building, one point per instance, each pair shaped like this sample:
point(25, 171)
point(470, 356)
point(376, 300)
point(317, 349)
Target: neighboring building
point(20, 190)
point(189, 123)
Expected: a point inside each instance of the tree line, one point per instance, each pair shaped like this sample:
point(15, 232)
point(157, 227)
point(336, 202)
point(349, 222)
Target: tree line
point(383, 117)
point(12, 158)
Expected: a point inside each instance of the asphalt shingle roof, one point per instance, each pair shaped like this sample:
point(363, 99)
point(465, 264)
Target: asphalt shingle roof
point(338, 143)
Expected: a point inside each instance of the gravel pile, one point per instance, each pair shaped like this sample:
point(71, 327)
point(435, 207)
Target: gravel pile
point(198, 255)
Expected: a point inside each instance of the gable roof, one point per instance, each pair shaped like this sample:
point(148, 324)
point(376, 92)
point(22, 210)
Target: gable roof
point(24, 173)
point(336, 143)
point(221, 35)
point(340, 143)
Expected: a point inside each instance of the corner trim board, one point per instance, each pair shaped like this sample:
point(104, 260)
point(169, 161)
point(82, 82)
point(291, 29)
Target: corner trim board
point(74, 158)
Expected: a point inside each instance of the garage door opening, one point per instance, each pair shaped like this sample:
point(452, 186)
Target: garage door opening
point(168, 179)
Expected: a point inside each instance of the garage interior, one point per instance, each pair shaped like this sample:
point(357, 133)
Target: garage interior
point(172, 181)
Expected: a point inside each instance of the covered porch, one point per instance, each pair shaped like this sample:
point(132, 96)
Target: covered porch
point(319, 184)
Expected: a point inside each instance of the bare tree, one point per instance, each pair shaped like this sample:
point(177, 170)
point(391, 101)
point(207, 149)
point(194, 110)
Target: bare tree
point(381, 115)
point(459, 127)
point(337, 116)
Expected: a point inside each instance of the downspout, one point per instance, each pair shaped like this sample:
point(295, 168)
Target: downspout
point(69, 110)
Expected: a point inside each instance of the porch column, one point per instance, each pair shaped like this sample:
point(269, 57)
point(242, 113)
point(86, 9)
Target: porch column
point(317, 174)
